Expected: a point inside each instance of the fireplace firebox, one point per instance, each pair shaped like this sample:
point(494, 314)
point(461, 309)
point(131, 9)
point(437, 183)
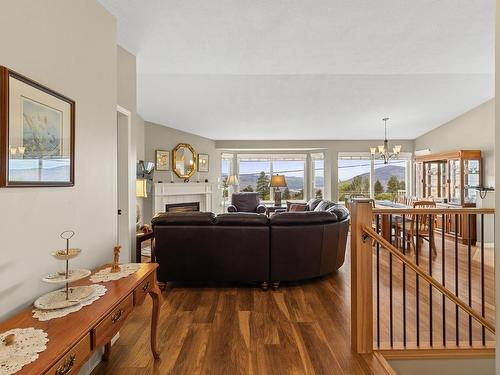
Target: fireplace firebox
point(182, 207)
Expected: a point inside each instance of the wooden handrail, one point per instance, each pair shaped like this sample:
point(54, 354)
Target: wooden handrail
point(432, 211)
point(431, 280)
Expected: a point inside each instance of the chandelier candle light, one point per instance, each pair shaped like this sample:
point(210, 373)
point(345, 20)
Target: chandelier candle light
point(383, 150)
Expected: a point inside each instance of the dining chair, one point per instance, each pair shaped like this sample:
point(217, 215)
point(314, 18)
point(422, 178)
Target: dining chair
point(425, 228)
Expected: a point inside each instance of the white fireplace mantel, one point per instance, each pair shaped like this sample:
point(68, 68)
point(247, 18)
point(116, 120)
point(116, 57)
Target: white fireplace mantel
point(167, 193)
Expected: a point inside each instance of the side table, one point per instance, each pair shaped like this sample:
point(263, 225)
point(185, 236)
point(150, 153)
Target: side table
point(271, 209)
point(139, 239)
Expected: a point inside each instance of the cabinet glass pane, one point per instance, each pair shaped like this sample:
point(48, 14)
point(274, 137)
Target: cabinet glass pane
point(443, 179)
point(471, 179)
point(455, 187)
point(418, 178)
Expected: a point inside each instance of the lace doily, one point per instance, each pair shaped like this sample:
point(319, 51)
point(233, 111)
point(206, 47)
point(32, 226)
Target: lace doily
point(43, 315)
point(28, 342)
point(105, 275)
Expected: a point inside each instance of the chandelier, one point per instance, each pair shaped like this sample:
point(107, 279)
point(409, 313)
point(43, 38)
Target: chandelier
point(382, 151)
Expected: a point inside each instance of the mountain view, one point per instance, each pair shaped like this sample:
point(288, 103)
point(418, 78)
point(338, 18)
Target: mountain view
point(383, 174)
point(388, 180)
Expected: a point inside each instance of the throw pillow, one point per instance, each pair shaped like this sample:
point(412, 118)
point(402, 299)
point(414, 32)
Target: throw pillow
point(298, 207)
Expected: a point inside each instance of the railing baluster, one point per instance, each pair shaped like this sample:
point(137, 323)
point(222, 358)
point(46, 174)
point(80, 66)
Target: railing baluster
point(457, 326)
point(377, 220)
point(404, 282)
point(430, 273)
point(483, 338)
point(469, 272)
point(417, 295)
point(390, 284)
point(443, 277)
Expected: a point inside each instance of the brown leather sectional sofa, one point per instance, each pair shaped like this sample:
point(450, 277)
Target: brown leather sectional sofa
point(251, 247)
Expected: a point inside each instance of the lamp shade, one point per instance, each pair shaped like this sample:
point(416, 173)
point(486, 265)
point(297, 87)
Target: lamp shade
point(140, 188)
point(278, 181)
point(232, 180)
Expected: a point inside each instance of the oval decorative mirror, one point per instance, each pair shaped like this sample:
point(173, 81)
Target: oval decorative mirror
point(184, 160)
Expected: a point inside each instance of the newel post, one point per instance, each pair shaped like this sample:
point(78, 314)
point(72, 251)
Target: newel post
point(361, 278)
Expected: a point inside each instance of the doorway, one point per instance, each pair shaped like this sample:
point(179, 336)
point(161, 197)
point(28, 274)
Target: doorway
point(126, 208)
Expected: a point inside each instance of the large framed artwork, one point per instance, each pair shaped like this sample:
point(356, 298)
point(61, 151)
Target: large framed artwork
point(37, 133)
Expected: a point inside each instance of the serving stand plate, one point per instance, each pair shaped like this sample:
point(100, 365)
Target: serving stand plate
point(68, 296)
point(57, 299)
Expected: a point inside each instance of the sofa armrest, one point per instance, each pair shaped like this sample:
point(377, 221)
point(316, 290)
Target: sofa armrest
point(232, 208)
point(261, 209)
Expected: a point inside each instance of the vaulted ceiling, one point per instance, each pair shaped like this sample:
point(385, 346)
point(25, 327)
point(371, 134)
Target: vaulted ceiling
point(300, 69)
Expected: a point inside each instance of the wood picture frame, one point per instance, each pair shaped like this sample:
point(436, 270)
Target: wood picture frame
point(203, 163)
point(162, 160)
point(37, 134)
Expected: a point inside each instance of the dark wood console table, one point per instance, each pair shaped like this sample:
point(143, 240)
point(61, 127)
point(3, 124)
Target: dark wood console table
point(74, 337)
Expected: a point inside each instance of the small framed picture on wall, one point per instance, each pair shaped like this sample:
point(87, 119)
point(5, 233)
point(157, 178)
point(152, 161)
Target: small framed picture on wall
point(37, 126)
point(162, 160)
point(203, 163)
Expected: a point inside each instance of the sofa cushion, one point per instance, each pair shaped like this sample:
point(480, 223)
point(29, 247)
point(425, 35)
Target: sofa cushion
point(312, 203)
point(183, 218)
point(323, 205)
point(301, 218)
point(242, 218)
point(339, 210)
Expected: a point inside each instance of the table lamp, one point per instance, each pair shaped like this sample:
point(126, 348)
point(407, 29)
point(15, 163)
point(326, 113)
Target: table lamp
point(140, 192)
point(277, 182)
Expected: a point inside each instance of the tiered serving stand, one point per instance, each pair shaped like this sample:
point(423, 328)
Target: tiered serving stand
point(67, 296)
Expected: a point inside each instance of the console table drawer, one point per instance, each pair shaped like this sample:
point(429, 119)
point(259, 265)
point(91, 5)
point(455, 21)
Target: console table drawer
point(111, 324)
point(143, 289)
point(73, 360)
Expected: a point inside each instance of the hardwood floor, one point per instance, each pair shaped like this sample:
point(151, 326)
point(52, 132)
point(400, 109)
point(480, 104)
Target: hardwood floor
point(299, 329)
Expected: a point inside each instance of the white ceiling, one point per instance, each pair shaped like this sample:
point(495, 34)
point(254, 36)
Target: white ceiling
point(304, 69)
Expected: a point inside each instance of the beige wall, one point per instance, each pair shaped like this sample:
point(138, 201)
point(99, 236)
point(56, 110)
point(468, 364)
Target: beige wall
point(127, 98)
point(52, 43)
point(158, 137)
point(497, 175)
point(331, 148)
point(444, 366)
point(473, 130)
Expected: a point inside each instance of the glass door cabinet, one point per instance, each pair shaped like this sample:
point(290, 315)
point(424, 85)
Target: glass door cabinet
point(451, 179)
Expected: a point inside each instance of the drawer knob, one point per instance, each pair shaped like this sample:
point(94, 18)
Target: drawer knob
point(116, 316)
point(145, 287)
point(66, 367)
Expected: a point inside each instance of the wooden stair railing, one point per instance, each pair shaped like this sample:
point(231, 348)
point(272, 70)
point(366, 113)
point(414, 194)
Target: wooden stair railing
point(431, 280)
point(363, 237)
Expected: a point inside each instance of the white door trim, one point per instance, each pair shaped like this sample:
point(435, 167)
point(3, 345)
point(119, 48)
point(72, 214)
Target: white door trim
point(128, 242)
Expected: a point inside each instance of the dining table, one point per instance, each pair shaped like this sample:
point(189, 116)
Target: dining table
point(387, 220)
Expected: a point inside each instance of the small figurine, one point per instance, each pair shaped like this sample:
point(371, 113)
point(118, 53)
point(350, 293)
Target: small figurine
point(9, 339)
point(115, 267)
point(145, 228)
